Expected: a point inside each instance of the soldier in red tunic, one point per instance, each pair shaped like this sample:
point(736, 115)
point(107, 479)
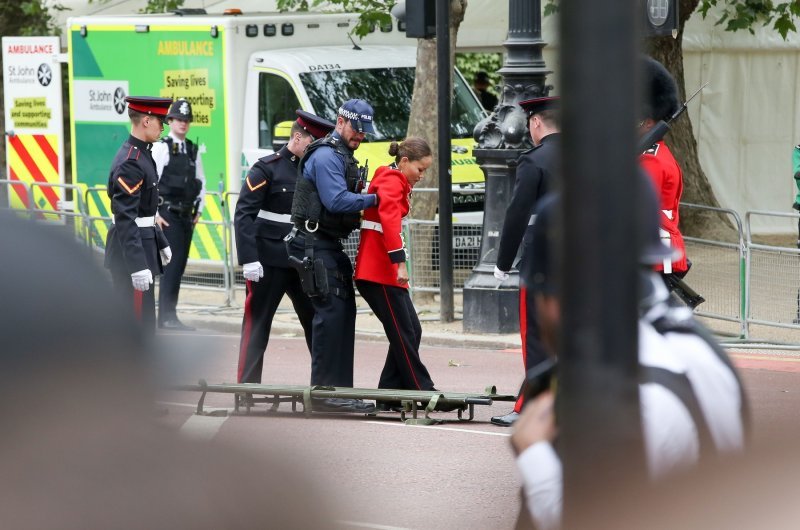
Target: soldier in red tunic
point(661, 101)
point(381, 273)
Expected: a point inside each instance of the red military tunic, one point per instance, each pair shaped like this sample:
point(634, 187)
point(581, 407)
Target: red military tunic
point(667, 177)
point(379, 252)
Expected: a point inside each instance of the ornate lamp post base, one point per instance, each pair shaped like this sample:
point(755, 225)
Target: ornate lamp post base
point(491, 307)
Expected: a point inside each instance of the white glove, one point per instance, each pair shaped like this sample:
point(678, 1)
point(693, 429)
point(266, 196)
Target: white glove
point(166, 255)
point(253, 271)
point(142, 279)
point(500, 275)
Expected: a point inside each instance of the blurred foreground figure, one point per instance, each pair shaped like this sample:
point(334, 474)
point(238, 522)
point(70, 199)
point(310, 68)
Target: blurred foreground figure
point(693, 406)
point(80, 449)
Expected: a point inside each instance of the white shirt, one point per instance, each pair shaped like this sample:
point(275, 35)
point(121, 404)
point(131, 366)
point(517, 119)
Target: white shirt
point(670, 437)
point(161, 158)
point(713, 381)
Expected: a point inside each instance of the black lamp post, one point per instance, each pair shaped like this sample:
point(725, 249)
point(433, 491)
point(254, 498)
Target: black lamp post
point(489, 306)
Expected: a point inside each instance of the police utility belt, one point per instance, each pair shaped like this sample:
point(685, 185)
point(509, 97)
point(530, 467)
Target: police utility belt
point(141, 222)
point(312, 271)
point(181, 208)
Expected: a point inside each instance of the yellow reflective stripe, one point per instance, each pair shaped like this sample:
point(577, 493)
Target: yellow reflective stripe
point(205, 235)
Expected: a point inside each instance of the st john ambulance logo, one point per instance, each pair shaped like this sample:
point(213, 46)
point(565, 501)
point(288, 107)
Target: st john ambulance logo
point(44, 74)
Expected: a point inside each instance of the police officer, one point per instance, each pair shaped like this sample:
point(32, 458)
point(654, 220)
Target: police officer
point(537, 170)
point(326, 208)
point(261, 221)
point(181, 190)
point(661, 102)
point(136, 248)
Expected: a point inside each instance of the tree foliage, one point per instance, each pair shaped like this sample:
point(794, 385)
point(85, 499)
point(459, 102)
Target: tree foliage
point(470, 64)
point(736, 15)
point(372, 13)
point(28, 17)
point(161, 6)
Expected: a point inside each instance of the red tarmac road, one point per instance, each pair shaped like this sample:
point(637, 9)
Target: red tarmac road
point(378, 473)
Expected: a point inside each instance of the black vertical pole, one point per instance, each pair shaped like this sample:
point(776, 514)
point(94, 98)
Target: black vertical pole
point(443, 72)
point(600, 426)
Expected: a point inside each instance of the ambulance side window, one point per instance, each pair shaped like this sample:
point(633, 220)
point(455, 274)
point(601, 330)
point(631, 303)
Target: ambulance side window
point(277, 102)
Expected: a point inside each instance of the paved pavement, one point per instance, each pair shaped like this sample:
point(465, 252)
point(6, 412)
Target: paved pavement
point(379, 473)
point(208, 310)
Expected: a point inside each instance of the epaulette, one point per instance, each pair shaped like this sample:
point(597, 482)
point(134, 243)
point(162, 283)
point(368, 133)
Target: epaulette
point(270, 158)
point(652, 150)
point(532, 149)
point(133, 153)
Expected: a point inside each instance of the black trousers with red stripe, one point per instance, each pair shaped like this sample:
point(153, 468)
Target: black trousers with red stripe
point(263, 298)
point(393, 307)
point(143, 303)
point(533, 351)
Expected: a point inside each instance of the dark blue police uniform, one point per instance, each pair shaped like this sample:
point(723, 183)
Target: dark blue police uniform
point(326, 208)
point(179, 188)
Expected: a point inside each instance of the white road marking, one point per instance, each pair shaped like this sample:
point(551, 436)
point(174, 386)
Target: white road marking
point(471, 431)
point(202, 427)
point(370, 525)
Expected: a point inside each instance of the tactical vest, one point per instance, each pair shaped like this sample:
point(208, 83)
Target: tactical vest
point(308, 211)
point(179, 181)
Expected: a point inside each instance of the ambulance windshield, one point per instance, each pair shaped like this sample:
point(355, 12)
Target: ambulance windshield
point(388, 90)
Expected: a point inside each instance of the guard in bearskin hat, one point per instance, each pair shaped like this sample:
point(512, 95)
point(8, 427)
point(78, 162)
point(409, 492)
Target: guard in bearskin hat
point(660, 103)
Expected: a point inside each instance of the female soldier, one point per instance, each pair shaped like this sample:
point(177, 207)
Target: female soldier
point(381, 273)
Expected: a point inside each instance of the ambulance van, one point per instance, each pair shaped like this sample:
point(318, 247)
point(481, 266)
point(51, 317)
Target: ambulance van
point(245, 75)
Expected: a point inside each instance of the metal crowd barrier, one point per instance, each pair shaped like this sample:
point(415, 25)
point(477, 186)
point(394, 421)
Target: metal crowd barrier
point(772, 279)
point(6, 185)
point(718, 272)
point(744, 282)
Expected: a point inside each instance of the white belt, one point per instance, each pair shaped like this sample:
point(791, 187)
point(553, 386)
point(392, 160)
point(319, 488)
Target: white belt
point(142, 222)
point(371, 225)
point(277, 217)
point(666, 239)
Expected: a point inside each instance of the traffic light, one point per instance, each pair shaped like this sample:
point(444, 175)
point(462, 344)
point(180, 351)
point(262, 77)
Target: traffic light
point(660, 17)
point(417, 18)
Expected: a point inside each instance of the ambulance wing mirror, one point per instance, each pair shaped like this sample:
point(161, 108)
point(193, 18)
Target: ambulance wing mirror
point(281, 134)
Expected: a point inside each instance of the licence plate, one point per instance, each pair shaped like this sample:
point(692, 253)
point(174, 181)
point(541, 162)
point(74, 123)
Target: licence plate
point(467, 241)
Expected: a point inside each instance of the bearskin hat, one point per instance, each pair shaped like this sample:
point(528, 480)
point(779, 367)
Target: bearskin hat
point(660, 91)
